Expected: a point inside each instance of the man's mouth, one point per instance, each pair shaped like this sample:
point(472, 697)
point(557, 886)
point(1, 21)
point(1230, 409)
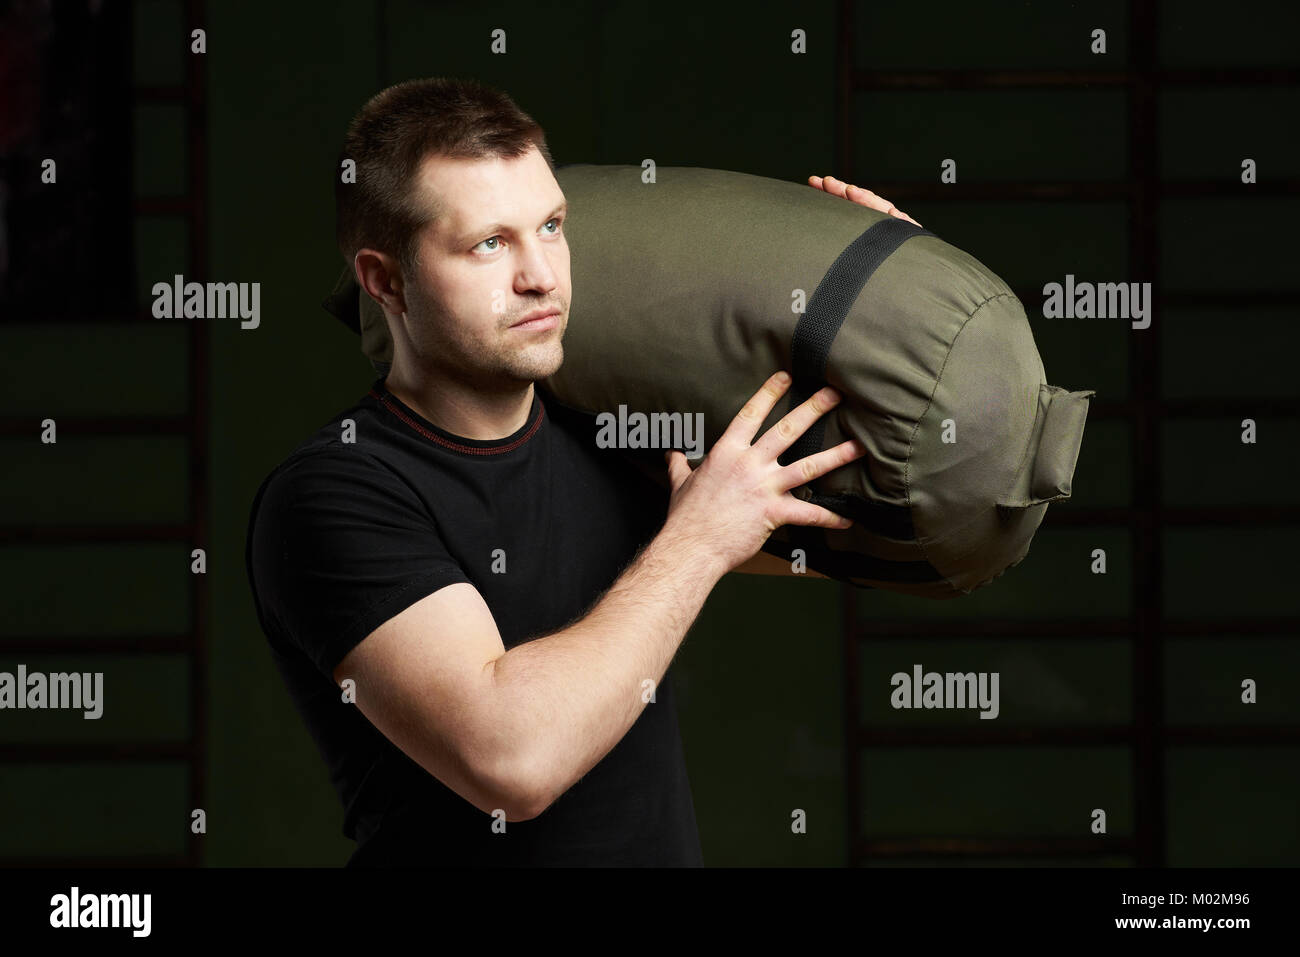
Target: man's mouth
point(538, 320)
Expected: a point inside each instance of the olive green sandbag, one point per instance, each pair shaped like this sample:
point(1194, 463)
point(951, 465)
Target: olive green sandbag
point(686, 296)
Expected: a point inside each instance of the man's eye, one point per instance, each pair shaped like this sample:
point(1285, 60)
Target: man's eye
point(497, 239)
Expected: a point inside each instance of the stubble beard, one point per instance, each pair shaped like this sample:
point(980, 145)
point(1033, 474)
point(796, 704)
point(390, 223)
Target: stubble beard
point(497, 360)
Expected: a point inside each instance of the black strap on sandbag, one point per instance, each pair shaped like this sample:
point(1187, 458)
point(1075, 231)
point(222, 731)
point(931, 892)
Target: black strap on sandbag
point(814, 334)
point(852, 568)
point(881, 518)
point(830, 303)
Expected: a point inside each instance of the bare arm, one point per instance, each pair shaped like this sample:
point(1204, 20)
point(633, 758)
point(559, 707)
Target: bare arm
point(513, 730)
point(516, 729)
point(575, 693)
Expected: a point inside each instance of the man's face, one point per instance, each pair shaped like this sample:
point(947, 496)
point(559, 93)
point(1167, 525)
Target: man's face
point(495, 254)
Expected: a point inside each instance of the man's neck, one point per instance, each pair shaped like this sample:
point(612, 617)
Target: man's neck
point(454, 408)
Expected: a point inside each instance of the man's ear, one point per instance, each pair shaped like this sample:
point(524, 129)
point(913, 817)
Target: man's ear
point(379, 275)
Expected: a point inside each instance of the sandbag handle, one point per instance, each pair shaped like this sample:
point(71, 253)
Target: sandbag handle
point(1046, 469)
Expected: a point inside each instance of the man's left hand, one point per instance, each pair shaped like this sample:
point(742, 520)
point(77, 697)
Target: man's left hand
point(856, 194)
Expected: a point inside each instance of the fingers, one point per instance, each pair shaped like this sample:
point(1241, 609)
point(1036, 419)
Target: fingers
point(828, 460)
point(837, 187)
point(754, 413)
point(679, 470)
point(856, 194)
point(796, 422)
point(806, 513)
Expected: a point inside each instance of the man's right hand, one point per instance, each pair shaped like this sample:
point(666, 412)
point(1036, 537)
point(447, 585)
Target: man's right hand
point(740, 493)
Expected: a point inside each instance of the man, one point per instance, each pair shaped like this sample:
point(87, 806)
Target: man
point(473, 607)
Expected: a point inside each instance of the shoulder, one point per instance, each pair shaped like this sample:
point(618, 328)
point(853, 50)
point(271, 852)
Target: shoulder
point(344, 474)
point(352, 452)
point(332, 480)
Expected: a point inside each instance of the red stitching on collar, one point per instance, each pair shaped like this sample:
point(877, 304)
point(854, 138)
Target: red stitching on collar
point(456, 446)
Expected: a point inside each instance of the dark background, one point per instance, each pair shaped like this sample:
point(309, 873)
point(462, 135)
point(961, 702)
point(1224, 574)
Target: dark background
point(1119, 692)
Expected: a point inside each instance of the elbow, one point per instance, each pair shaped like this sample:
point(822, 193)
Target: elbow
point(516, 788)
point(516, 781)
point(534, 793)
point(527, 808)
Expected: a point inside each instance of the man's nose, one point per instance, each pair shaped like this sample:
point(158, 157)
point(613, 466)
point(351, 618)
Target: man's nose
point(536, 271)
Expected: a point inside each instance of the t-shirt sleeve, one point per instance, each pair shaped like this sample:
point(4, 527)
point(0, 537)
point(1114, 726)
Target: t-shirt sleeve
point(337, 545)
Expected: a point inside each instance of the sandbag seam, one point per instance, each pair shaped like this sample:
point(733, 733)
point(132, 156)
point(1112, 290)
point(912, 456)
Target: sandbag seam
point(911, 443)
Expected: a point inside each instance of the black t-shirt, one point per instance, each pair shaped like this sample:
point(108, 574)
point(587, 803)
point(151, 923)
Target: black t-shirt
point(366, 518)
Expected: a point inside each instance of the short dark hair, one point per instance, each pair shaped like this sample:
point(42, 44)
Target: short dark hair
point(393, 134)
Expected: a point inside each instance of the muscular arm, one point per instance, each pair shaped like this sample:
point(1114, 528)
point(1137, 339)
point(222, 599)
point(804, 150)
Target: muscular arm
point(575, 693)
point(516, 729)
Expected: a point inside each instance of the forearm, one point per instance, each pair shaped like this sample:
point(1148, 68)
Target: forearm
point(567, 698)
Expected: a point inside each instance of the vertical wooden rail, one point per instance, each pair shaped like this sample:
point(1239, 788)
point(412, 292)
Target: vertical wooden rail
point(196, 127)
point(1145, 394)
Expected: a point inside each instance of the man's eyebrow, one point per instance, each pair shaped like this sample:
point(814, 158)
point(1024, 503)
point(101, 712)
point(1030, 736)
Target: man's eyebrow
point(491, 228)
